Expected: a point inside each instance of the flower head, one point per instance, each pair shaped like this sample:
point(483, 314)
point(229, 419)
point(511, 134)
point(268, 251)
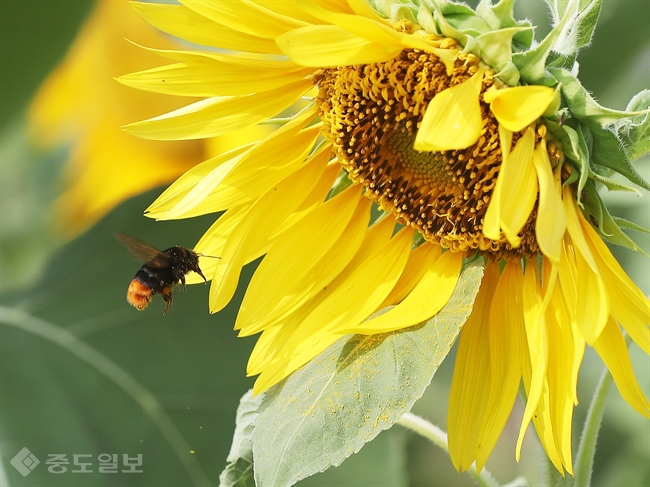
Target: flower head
point(412, 137)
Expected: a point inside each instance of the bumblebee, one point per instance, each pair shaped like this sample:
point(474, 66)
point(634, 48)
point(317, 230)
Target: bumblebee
point(162, 270)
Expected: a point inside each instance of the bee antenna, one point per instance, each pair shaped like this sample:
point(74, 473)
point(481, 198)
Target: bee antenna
point(211, 256)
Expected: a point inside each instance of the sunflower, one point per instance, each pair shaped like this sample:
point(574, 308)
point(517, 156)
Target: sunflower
point(412, 138)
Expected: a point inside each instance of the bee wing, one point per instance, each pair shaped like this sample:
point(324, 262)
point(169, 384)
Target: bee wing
point(149, 254)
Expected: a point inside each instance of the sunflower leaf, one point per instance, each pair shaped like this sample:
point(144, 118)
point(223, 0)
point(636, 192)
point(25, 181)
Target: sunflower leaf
point(239, 469)
point(361, 385)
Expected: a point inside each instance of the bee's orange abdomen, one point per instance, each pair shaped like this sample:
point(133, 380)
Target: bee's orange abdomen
point(139, 294)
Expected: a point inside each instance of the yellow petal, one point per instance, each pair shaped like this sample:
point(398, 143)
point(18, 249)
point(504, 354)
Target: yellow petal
point(550, 224)
point(333, 313)
point(517, 107)
point(274, 338)
point(269, 160)
point(296, 282)
point(425, 300)
point(219, 115)
point(470, 385)
point(519, 187)
point(268, 212)
point(79, 106)
point(420, 259)
point(331, 45)
point(214, 240)
point(629, 306)
point(246, 17)
point(536, 339)
point(541, 418)
point(492, 219)
point(210, 77)
point(453, 118)
point(507, 340)
point(565, 351)
point(301, 246)
point(372, 29)
point(592, 306)
point(184, 23)
point(611, 347)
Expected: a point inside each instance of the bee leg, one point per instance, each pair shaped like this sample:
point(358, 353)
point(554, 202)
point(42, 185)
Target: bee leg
point(183, 283)
point(166, 294)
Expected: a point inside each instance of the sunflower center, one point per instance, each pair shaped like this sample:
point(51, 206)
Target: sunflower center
point(372, 112)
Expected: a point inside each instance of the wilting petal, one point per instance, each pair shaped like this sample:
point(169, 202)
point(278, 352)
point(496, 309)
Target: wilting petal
point(453, 118)
point(550, 224)
point(519, 187)
point(492, 218)
point(516, 108)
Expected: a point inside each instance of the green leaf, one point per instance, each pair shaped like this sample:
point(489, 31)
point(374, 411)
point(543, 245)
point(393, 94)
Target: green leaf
point(361, 385)
point(608, 152)
point(501, 16)
point(239, 469)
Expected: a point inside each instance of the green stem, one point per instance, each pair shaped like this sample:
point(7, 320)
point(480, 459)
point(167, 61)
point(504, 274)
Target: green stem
point(585, 458)
point(439, 438)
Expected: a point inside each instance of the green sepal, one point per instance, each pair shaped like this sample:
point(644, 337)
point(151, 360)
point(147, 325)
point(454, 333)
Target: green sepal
point(500, 16)
point(636, 131)
point(495, 48)
point(532, 63)
point(425, 20)
point(608, 152)
point(239, 466)
point(452, 8)
point(602, 221)
point(579, 29)
point(623, 223)
point(583, 106)
point(611, 184)
point(575, 148)
point(403, 12)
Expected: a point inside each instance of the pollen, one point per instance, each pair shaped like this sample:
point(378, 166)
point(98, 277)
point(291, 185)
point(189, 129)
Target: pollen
point(371, 114)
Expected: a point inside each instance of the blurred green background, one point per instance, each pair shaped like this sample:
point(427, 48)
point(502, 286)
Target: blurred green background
point(167, 386)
